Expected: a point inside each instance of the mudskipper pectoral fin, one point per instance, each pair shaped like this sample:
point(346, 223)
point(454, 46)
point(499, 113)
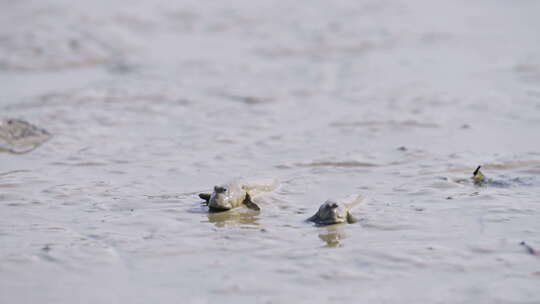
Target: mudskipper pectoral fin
point(205, 197)
point(250, 204)
point(351, 219)
point(314, 218)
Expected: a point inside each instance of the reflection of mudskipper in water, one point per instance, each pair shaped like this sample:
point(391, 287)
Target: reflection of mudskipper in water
point(234, 218)
point(332, 235)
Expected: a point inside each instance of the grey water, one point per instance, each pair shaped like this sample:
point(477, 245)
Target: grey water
point(151, 102)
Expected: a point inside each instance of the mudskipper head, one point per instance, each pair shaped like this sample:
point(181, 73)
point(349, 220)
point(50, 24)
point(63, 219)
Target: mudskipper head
point(331, 212)
point(220, 199)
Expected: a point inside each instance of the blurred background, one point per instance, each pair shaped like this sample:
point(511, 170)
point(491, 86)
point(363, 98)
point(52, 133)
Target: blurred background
point(151, 102)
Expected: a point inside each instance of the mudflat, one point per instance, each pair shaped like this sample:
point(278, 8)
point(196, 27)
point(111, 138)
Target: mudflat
point(151, 102)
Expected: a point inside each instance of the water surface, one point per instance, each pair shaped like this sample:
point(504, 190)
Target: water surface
point(151, 103)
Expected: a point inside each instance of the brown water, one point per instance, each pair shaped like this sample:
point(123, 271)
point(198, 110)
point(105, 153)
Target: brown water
point(151, 102)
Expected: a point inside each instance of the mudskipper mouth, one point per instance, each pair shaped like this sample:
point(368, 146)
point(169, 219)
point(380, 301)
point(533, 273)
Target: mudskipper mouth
point(219, 207)
point(329, 222)
point(215, 210)
point(336, 217)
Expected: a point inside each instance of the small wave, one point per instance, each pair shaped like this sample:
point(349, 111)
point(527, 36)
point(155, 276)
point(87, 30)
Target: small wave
point(249, 100)
point(350, 163)
point(13, 172)
point(505, 165)
point(80, 164)
point(391, 123)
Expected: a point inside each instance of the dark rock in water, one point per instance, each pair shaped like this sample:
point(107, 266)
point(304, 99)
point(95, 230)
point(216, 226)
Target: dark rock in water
point(18, 136)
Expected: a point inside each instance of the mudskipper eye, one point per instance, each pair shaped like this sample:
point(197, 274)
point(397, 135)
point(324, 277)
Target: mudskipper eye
point(218, 189)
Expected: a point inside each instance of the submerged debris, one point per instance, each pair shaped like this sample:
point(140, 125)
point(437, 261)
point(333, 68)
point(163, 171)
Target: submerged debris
point(478, 177)
point(503, 181)
point(529, 248)
point(19, 137)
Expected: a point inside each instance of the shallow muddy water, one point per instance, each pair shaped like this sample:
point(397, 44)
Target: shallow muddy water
point(151, 103)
